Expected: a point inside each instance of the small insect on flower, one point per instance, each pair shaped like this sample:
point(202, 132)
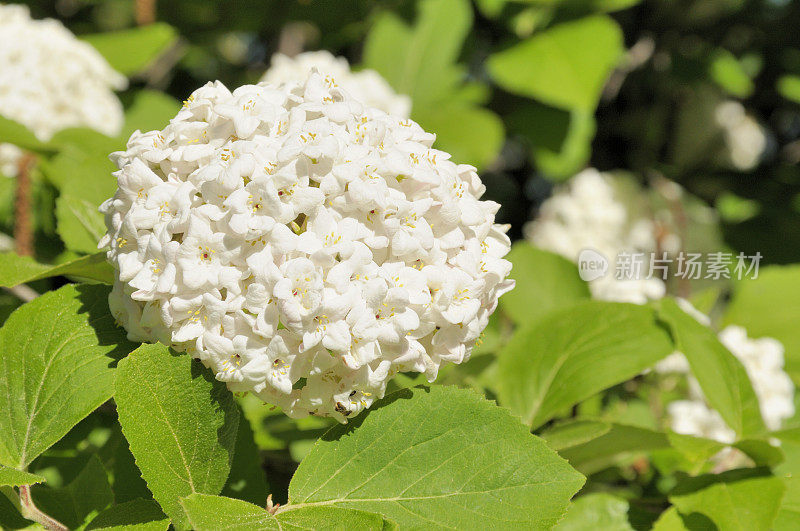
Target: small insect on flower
point(292, 261)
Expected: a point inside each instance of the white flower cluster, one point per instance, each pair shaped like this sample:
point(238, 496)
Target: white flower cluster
point(304, 247)
point(763, 361)
point(745, 138)
point(50, 80)
point(587, 214)
point(366, 86)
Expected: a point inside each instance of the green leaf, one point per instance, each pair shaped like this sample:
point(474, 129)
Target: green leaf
point(574, 432)
point(133, 50)
point(621, 439)
point(574, 353)
point(722, 377)
point(135, 515)
point(246, 480)
point(471, 134)
point(180, 423)
point(216, 513)
point(419, 60)
point(82, 167)
point(73, 505)
point(789, 512)
point(15, 133)
point(80, 224)
point(739, 499)
point(565, 66)
point(753, 307)
point(573, 153)
point(437, 457)
point(596, 511)
point(550, 280)
point(560, 140)
point(15, 478)
point(729, 74)
point(150, 110)
point(58, 359)
point(15, 269)
point(670, 520)
point(789, 87)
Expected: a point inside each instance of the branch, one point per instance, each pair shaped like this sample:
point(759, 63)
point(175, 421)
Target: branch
point(145, 12)
point(31, 512)
point(23, 231)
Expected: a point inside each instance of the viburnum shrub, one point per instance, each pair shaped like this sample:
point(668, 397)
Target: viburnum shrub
point(293, 301)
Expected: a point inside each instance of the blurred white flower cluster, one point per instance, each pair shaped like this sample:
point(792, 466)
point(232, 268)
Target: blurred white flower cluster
point(745, 138)
point(304, 247)
point(763, 361)
point(587, 213)
point(366, 86)
point(50, 80)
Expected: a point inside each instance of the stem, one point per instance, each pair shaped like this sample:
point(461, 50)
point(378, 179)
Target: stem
point(145, 12)
point(31, 512)
point(23, 231)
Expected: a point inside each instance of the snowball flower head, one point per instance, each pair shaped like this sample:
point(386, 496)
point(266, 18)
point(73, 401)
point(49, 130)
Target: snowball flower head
point(588, 214)
point(50, 80)
point(304, 247)
point(367, 86)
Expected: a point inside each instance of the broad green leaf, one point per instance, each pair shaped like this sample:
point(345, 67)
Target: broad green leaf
point(620, 440)
point(135, 515)
point(697, 450)
point(739, 499)
point(217, 513)
point(180, 423)
point(560, 140)
point(789, 87)
point(437, 457)
point(73, 505)
point(419, 60)
point(150, 110)
point(596, 511)
point(83, 168)
point(545, 282)
point(12, 132)
point(729, 74)
point(471, 134)
point(15, 478)
point(86, 141)
point(574, 353)
point(722, 377)
point(59, 353)
point(573, 154)
point(574, 432)
point(754, 307)
point(15, 269)
point(133, 50)
point(761, 452)
point(565, 66)
point(246, 480)
point(80, 224)
point(789, 472)
point(670, 520)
